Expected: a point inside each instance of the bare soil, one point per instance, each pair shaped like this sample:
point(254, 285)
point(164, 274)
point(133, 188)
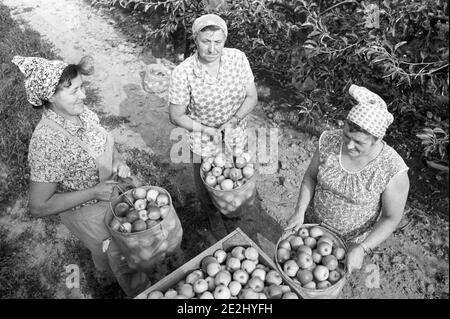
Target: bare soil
point(413, 263)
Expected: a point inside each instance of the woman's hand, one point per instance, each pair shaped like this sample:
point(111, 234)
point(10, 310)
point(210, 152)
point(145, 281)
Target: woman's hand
point(295, 222)
point(104, 190)
point(121, 169)
point(355, 258)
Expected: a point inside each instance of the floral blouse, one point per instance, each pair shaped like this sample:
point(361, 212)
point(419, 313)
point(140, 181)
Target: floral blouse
point(350, 202)
point(212, 101)
point(53, 158)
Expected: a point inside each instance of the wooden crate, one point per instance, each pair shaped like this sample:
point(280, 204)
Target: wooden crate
point(236, 238)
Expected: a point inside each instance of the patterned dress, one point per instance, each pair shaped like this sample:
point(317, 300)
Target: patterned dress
point(350, 202)
point(53, 158)
point(212, 101)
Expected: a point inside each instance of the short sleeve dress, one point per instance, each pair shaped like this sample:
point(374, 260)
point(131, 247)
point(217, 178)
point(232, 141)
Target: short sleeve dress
point(350, 202)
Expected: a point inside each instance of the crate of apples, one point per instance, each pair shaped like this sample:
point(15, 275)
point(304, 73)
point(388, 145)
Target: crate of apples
point(234, 268)
point(140, 209)
point(312, 260)
point(229, 181)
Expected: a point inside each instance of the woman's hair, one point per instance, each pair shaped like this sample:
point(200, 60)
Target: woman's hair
point(210, 28)
point(353, 127)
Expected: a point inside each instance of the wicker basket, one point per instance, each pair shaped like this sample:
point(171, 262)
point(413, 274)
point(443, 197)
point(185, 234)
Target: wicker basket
point(326, 293)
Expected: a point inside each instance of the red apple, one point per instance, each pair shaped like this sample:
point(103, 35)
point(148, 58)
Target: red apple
point(304, 249)
point(324, 248)
point(315, 232)
point(223, 277)
point(139, 193)
point(321, 273)
point(284, 244)
point(304, 276)
point(256, 284)
point(235, 287)
point(296, 242)
point(273, 278)
point(251, 253)
point(283, 254)
point(339, 252)
point(330, 261)
point(222, 292)
point(153, 212)
point(121, 209)
point(226, 184)
point(162, 200)
point(304, 260)
point(211, 180)
point(164, 210)
point(275, 292)
point(217, 171)
point(200, 286)
point(316, 256)
point(310, 285)
point(334, 276)
point(323, 284)
point(290, 267)
point(310, 242)
point(241, 276)
point(303, 232)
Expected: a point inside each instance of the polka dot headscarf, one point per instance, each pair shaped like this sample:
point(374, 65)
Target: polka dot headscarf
point(371, 112)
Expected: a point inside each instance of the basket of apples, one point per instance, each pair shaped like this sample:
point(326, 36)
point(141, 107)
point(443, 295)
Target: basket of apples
point(312, 261)
point(145, 226)
point(230, 182)
point(233, 268)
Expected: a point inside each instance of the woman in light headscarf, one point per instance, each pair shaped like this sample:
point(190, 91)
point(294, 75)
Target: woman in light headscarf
point(359, 183)
point(72, 160)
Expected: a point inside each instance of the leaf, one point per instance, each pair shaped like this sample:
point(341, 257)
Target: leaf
point(314, 33)
point(398, 45)
point(438, 130)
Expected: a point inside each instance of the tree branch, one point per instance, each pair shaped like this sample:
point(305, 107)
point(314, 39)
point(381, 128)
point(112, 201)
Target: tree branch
point(336, 5)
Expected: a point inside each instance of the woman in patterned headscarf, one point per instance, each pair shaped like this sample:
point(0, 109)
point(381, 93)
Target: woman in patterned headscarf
point(358, 182)
point(72, 160)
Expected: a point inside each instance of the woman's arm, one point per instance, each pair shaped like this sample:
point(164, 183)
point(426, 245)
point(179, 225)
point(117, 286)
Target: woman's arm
point(45, 201)
point(119, 167)
point(393, 202)
point(307, 191)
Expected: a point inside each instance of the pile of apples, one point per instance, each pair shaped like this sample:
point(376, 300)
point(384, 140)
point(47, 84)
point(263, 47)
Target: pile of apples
point(221, 172)
point(311, 258)
point(237, 274)
point(140, 209)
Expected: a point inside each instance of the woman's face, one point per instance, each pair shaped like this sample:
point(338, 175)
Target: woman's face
point(68, 100)
point(357, 144)
point(210, 45)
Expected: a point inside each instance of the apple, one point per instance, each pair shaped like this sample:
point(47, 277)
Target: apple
point(121, 209)
point(233, 264)
point(290, 267)
point(283, 254)
point(260, 273)
point(220, 160)
point(324, 248)
point(321, 273)
point(222, 292)
point(304, 260)
point(186, 290)
point(304, 276)
point(211, 283)
point(206, 261)
point(248, 265)
point(310, 242)
point(310, 285)
point(223, 277)
point(323, 284)
point(194, 276)
point(275, 292)
point(312, 267)
point(316, 256)
point(248, 172)
point(296, 242)
point(235, 287)
point(151, 195)
point(238, 252)
point(315, 232)
point(304, 249)
point(126, 227)
point(226, 184)
point(249, 294)
point(138, 225)
point(334, 276)
point(164, 210)
point(220, 255)
point(217, 187)
point(325, 239)
point(200, 286)
point(153, 212)
point(338, 252)
point(256, 284)
point(220, 179)
point(139, 193)
point(155, 294)
point(150, 223)
point(171, 293)
point(273, 278)
point(241, 276)
point(212, 269)
point(262, 295)
point(162, 199)
point(216, 171)
point(289, 295)
point(115, 225)
point(284, 244)
point(132, 216)
point(140, 204)
point(251, 253)
point(330, 262)
point(303, 232)
point(143, 215)
point(235, 174)
point(205, 167)
point(207, 295)
point(211, 180)
point(240, 162)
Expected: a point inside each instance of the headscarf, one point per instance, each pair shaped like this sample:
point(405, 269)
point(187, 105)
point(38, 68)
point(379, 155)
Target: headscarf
point(207, 20)
point(41, 77)
point(371, 113)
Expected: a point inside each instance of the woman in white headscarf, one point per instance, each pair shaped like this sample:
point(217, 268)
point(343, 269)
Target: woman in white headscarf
point(358, 183)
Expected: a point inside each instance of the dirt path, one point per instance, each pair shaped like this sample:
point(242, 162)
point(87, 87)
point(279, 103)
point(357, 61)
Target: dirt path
point(408, 267)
